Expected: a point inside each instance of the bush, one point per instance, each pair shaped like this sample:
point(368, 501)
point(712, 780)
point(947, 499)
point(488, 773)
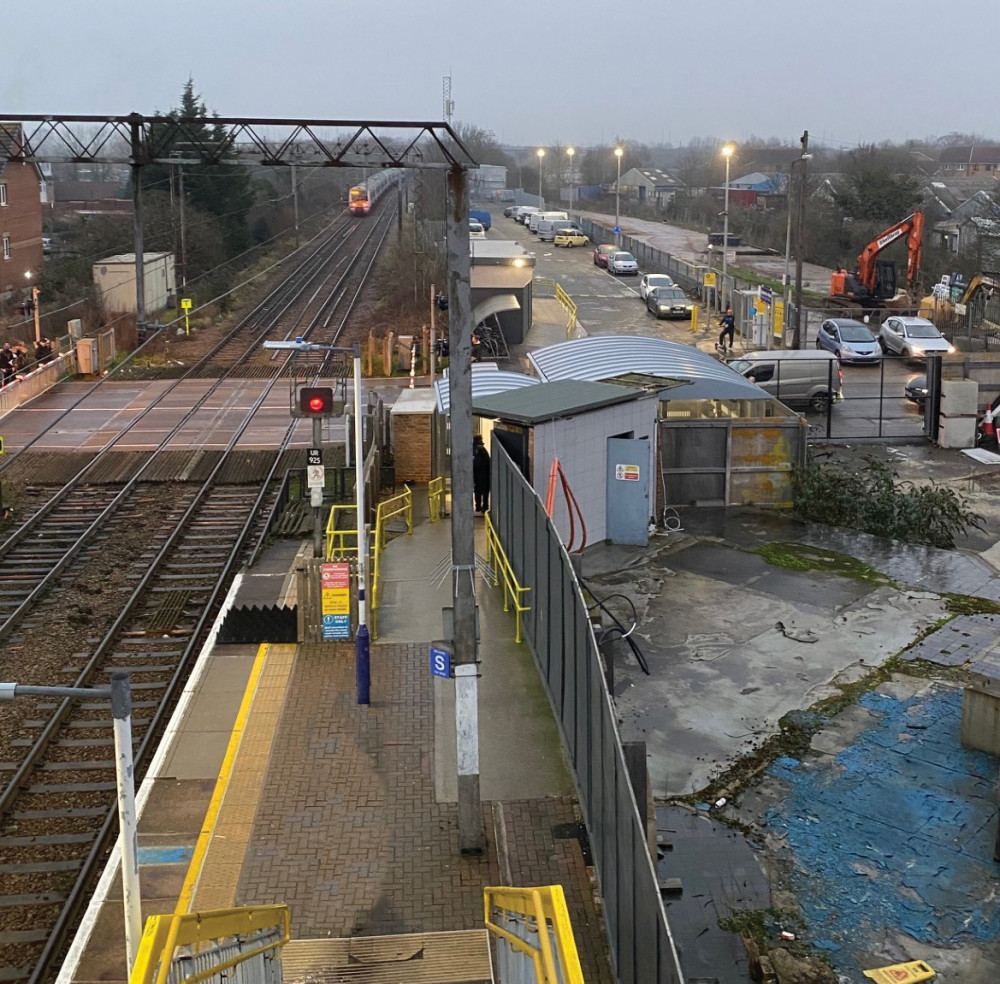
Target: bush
point(873, 501)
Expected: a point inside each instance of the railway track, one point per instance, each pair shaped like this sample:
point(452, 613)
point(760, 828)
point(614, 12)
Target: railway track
point(133, 576)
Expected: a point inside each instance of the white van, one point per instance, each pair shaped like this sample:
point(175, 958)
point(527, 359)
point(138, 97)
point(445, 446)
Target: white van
point(522, 212)
point(537, 217)
point(813, 379)
point(547, 228)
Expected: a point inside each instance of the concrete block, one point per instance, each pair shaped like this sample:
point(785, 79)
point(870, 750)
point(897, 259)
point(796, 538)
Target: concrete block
point(956, 432)
point(959, 397)
point(980, 721)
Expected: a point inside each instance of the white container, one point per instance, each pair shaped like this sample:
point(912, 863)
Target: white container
point(959, 397)
point(956, 432)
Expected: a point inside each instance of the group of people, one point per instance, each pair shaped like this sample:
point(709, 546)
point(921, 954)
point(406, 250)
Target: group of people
point(17, 359)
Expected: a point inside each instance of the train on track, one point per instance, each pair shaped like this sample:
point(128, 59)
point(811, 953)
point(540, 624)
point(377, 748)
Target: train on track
point(362, 197)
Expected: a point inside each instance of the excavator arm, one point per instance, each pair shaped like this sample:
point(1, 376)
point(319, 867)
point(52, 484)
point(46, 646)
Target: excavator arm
point(913, 228)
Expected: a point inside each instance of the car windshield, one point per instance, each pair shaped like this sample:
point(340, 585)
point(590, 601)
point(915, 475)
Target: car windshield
point(624, 257)
point(856, 333)
point(660, 280)
point(740, 365)
point(922, 331)
point(669, 294)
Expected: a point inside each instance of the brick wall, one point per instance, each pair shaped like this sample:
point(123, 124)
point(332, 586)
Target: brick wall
point(21, 222)
point(411, 440)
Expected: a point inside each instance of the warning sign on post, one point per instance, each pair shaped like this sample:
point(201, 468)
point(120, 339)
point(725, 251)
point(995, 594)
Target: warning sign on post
point(627, 473)
point(335, 581)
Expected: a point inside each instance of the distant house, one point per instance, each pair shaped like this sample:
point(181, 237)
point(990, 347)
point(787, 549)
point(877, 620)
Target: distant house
point(968, 222)
point(22, 193)
point(648, 185)
point(983, 159)
point(754, 190)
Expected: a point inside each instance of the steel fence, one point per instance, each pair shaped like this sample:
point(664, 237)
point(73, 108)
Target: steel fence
point(562, 639)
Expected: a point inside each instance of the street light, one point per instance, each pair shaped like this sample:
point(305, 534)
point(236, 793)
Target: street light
point(727, 152)
point(541, 154)
point(571, 151)
point(618, 234)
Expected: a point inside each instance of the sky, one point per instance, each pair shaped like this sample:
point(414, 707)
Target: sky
point(583, 73)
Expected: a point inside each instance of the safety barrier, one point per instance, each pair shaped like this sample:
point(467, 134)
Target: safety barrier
point(398, 505)
point(567, 302)
point(212, 944)
point(534, 938)
point(512, 591)
point(435, 498)
point(336, 546)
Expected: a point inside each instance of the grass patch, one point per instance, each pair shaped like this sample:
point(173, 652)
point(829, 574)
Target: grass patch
point(802, 557)
point(960, 604)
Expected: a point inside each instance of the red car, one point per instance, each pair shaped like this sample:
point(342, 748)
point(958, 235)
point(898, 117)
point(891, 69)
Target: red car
point(602, 253)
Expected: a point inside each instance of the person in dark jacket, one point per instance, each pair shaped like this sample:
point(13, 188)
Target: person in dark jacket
point(728, 323)
point(481, 474)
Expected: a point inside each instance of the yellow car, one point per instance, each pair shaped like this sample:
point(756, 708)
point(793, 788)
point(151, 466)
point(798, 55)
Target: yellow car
point(570, 237)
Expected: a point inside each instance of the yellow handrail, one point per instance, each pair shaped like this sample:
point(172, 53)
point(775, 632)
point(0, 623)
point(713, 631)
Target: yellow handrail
point(512, 591)
point(398, 505)
point(567, 302)
point(336, 548)
point(546, 906)
point(163, 934)
point(435, 498)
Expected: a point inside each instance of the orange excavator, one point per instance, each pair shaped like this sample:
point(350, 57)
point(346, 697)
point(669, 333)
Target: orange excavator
point(873, 284)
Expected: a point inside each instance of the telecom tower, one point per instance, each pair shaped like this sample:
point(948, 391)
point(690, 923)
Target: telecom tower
point(447, 103)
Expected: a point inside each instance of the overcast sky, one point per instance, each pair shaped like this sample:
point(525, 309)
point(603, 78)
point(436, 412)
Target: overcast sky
point(551, 71)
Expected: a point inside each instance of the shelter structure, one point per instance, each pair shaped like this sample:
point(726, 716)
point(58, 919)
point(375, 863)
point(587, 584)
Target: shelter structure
point(501, 277)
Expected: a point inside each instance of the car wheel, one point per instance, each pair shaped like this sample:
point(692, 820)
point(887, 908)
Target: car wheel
point(820, 402)
point(818, 346)
point(881, 345)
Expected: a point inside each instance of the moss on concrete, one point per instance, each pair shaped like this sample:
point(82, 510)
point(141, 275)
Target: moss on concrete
point(803, 557)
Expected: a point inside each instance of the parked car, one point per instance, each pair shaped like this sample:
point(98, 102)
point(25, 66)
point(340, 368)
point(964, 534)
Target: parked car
point(620, 262)
point(476, 230)
point(668, 302)
point(814, 379)
point(915, 390)
point(570, 237)
point(849, 341)
point(912, 338)
point(509, 211)
point(523, 212)
point(481, 215)
point(652, 280)
point(602, 253)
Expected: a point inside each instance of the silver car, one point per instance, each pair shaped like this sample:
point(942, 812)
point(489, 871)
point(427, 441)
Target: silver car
point(912, 338)
point(620, 262)
point(653, 280)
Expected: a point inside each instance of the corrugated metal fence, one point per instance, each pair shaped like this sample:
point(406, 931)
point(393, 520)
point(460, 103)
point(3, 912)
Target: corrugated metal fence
point(562, 638)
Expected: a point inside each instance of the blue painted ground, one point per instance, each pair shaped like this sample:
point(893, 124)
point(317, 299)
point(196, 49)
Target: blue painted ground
point(899, 835)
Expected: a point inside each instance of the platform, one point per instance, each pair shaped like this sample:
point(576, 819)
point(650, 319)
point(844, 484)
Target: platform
point(348, 813)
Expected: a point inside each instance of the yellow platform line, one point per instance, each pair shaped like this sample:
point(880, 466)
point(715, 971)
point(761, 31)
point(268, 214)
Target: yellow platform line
point(214, 871)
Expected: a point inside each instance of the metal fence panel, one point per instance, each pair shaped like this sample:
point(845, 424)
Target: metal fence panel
point(559, 631)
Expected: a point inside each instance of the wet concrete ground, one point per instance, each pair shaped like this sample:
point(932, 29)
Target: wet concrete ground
point(734, 643)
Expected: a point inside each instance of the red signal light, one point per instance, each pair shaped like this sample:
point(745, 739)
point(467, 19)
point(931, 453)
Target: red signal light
point(316, 401)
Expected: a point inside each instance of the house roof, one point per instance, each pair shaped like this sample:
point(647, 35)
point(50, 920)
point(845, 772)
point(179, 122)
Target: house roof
point(982, 154)
point(655, 177)
point(552, 400)
point(758, 181)
point(681, 372)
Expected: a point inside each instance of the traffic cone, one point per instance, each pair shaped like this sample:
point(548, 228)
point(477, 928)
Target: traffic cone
point(989, 431)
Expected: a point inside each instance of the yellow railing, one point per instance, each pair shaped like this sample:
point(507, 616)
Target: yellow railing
point(388, 509)
point(512, 591)
point(164, 934)
point(567, 302)
point(336, 546)
point(435, 498)
point(528, 919)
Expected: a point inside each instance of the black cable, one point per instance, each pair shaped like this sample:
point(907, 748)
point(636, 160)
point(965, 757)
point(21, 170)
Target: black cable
point(627, 636)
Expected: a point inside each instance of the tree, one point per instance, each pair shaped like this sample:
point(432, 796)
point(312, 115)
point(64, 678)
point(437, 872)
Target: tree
point(484, 146)
point(224, 191)
point(873, 188)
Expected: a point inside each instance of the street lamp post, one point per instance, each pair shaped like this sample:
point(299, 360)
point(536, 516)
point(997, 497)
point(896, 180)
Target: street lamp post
point(727, 152)
point(541, 154)
point(618, 233)
point(787, 282)
point(120, 695)
point(570, 151)
point(798, 340)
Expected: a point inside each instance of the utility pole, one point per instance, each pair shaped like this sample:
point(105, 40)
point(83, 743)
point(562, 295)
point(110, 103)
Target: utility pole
point(798, 341)
point(180, 198)
point(135, 133)
point(295, 202)
point(463, 548)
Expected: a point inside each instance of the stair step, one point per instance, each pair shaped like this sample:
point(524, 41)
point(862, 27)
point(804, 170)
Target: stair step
point(461, 957)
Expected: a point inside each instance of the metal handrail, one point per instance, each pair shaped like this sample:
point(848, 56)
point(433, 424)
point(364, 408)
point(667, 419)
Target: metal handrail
point(567, 302)
point(435, 498)
point(512, 590)
point(398, 505)
point(336, 548)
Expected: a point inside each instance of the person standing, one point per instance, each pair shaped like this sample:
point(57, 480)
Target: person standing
point(481, 474)
point(728, 323)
